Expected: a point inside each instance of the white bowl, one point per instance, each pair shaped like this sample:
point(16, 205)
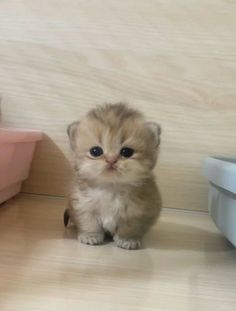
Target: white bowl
point(221, 173)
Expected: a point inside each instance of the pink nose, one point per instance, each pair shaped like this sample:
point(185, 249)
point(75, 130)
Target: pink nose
point(111, 161)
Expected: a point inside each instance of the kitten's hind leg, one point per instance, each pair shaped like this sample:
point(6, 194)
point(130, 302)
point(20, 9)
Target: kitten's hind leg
point(66, 217)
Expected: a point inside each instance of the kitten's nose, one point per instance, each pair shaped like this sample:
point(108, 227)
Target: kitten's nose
point(111, 160)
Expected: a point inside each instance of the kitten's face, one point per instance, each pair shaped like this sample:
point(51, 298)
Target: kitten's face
point(115, 152)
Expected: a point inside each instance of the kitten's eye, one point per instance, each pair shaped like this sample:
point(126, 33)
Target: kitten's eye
point(126, 152)
point(96, 151)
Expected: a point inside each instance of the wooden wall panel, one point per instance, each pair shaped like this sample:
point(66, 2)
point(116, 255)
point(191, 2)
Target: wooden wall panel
point(175, 60)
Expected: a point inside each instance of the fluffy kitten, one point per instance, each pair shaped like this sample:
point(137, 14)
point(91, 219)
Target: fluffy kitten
point(115, 151)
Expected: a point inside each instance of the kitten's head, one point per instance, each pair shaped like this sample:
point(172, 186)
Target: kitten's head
point(114, 144)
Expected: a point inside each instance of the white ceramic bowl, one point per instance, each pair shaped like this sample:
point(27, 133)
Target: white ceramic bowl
point(221, 173)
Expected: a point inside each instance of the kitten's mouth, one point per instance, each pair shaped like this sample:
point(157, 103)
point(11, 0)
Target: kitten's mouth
point(111, 168)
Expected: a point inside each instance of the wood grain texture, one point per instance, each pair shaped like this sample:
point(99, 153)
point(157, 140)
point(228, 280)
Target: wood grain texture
point(175, 60)
point(185, 265)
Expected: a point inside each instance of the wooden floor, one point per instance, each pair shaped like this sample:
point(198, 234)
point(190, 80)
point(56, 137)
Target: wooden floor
point(185, 265)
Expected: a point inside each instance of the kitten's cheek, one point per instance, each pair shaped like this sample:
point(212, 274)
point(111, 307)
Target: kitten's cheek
point(90, 169)
point(130, 166)
point(136, 169)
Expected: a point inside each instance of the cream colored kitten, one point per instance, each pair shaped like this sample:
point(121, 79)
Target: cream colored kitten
point(115, 151)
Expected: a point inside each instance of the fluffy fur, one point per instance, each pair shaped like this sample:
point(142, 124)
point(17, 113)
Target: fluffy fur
point(121, 198)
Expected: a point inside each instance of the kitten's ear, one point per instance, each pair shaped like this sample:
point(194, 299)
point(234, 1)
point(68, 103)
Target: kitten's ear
point(71, 132)
point(155, 130)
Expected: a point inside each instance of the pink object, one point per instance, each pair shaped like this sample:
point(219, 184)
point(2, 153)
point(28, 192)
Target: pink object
point(16, 152)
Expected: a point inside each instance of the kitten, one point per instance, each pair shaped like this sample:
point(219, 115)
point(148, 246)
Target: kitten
point(114, 191)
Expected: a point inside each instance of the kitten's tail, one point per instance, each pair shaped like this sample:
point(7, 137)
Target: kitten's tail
point(66, 217)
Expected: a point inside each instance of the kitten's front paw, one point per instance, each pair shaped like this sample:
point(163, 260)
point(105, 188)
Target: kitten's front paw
point(91, 238)
point(127, 243)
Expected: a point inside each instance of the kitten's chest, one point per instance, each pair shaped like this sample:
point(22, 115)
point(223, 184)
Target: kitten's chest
point(110, 206)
